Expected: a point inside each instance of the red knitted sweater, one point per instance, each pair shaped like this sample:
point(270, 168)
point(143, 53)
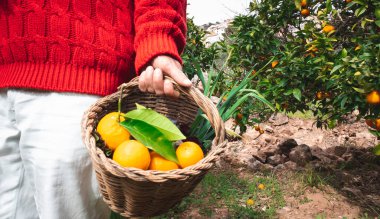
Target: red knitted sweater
point(85, 46)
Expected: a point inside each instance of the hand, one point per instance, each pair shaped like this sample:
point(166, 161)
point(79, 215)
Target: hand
point(152, 78)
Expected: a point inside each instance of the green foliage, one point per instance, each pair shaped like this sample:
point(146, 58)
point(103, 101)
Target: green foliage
point(343, 65)
point(233, 99)
point(196, 54)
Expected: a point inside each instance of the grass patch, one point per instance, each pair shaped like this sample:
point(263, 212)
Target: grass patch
point(228, 191)
point(301, 115)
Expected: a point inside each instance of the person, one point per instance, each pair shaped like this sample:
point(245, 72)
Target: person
point(56, 59)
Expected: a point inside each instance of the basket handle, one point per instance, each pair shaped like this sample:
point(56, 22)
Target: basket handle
point(204, 103)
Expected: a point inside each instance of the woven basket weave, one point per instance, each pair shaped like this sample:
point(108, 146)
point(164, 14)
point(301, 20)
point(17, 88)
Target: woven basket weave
point(133, 192)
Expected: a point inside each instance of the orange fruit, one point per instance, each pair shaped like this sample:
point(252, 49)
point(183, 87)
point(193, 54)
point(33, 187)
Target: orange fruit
point(157, 162)
point(373, 97)
point(319, 95)
point(373, 123)
point(189, 153)
point(132, 153)
point(274, 63)
point(348, 1)
point(328, 28)
point(239, 116)
point(111, 131)
point(303, 3)
point(305, 12)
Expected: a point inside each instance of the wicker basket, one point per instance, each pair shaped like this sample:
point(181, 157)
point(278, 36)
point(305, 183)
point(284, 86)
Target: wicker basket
point(133, 192)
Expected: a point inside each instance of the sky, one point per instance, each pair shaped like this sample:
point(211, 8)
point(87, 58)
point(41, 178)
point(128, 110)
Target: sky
point(211, 11)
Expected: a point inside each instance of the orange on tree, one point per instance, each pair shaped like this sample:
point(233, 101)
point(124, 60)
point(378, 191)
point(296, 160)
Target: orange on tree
point(319, 95)
point(348, 1)
point(373, 123)
point(111, 131)
point(303, 3)
point(328, 28)
point(132, 153)
point(189, 153)
point(305, 12)
point(157, 162)
point(274, 63)
point(373, 97)
point(239, 116)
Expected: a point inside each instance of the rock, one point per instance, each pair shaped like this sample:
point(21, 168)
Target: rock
point(279, 167)
point(287, 132)
point(290, 165)
point(340, 150)
point(268, 129)
point(276, 159)
point(279, 119)
point(260, 156)
point(286, 146)
point(269, 151)
point(258, 166)
point(301, 155)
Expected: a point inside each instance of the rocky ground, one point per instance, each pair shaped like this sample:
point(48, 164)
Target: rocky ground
point(342, 157)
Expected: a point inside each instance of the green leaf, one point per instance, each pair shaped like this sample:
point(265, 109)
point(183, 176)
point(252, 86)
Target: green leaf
point(138, 106)
point(360, 11)
point(359, 90)
point(336, 68)
point(328, 6)
point(343, 102)
point(377, 23)
point(151, 137)
point(297, 94)
point(298, 4)
point(376, 150)
point(160, 122)
point(344, 53)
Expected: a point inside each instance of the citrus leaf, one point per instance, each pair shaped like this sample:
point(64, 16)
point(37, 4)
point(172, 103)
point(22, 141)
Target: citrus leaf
point(151, 137)
point(297, 94)
point(298, 4)
point(359, 90)
point(376, 150)
point(138, 106)
point(160, 122)
point(377, 23)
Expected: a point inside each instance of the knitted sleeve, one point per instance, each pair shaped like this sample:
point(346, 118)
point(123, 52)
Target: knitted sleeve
point(160, 27)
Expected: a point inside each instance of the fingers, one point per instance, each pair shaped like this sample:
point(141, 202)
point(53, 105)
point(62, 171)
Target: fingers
point(172, 68)
point(145, 80)
point(169, 89)
point(158, 81)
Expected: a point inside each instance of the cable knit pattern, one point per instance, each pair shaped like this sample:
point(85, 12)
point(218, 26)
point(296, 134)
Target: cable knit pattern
point(85, 46)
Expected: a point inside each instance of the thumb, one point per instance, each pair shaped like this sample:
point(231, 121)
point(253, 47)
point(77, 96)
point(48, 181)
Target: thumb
point(179, 77)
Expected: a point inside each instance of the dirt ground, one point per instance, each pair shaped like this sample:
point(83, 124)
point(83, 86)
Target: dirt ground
point(342, 162)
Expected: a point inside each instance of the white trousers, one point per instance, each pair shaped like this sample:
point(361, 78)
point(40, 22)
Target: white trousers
point(45, 169)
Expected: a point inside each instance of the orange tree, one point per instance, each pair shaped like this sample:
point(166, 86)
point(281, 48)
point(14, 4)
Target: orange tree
point(196, 55)
point(326, 60)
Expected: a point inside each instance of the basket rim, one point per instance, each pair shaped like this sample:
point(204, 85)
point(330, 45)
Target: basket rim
point(99, 157)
